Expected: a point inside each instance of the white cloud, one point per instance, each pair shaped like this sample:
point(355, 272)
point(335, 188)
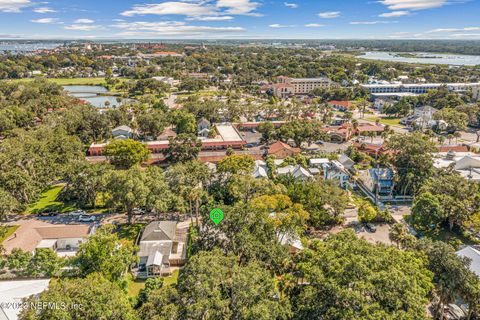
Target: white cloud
point(83, 27)
point(394, 14)
point(371, 22)
point(413, 4)
point(13, 5)
point(46, 20)
point(314, 25)
point(291, 5)
point(277, 25)
point(168, 28)
point(211, 18)
point(44, 10)
point(240, 7)
point(171, 7)
point(83, 21)
point(196, 8)
point(449, 30)
point(329, 14)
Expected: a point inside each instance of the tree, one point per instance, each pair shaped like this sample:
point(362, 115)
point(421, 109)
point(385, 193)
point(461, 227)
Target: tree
point(8, 204)
point(236, 164)
point(184, 122)
point(127, 190)
point(459, 198)
point(192, 84)
point(456, 120)
point(268, 131)
point(323, 200)
point(183, 148)
point(124, 154)
point(152, 123)
point(345, 277)
point(427, 212)
point(18, 260)
point(90, 298)
point(162, 304)
point(151, 284)
point(367, 212)
point(397, 233)
point(412, 160)
point(45, 262)
point(289, 219)
point(209, 287)
point(84, 182)
point(301, 131)
point(103, 253)
point(189, 180)
point(452, 275)
point(160, 198)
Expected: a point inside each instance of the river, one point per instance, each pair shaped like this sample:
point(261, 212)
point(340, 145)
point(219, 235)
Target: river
point(424, 58)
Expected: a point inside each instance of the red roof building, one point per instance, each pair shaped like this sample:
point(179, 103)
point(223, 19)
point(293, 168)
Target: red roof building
point(282, 150)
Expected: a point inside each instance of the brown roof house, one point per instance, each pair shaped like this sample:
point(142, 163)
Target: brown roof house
point(160, 248)
point(65, 240)
point(282, 150)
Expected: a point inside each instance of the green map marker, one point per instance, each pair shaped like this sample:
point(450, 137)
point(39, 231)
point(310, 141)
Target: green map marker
point(216, 215)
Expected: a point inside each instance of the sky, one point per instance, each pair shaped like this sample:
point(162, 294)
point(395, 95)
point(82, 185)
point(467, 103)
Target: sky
point(237, 19)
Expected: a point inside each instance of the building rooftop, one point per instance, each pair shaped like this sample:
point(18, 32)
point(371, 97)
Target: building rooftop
point(15, 291)
point(474, 255)
point(159, 231)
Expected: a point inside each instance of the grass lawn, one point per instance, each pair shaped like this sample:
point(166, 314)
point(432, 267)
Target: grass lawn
point(129, 232)
point(171, 279)
point(9, 230)
point(48, 202)
point(387, 121)
point(134, 286)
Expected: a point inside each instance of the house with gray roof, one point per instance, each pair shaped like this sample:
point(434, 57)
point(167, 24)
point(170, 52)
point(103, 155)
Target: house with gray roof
point(472, 253)
point(160, 249)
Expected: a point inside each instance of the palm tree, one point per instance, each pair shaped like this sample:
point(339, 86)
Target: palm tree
point(397, 233)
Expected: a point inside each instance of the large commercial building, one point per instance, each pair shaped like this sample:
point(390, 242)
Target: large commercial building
point(399, 88)
point(227, 137)
point(290, 86)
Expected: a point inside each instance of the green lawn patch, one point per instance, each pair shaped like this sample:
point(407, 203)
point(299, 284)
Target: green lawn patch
point(6, 231)
point(129, 232)
point(49, 202)
point(387, 121)
point(134, 286)
point(172, 279)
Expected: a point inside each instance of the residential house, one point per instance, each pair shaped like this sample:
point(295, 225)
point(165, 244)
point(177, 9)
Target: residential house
point(260, 170)
point(282, 150)
point(467, 164)
point(292, 242)
point(297, 172)
point(346, 162)
point(203, 124)
point(379, 181)
point(160, 249)
point(331, 169)
point(65, 240)
point(123, 133)
point(341, 105)
point(13, 293)
point(472, 253)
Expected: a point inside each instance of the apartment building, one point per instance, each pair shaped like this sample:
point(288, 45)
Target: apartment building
point(287, 86)
point(420, 88)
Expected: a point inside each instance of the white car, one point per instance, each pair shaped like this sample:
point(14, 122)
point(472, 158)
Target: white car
point(86, 218)
point(77, 213)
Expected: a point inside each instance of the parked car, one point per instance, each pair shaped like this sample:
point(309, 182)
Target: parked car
point(370, 227)
point(254, 131)
point(48, 214)
point(86, 218)
point(138, 211)
point(249, 145)
point(77, 213)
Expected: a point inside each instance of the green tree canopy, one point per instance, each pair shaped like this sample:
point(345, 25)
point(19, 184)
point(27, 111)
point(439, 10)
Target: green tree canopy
point(124, 154)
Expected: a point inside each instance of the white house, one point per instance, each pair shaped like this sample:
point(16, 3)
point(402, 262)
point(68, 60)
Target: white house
point(160, 249)
point(13, 292)
point(472, 253)
point(467, 164)
point(297, 172)
point(122, 133)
